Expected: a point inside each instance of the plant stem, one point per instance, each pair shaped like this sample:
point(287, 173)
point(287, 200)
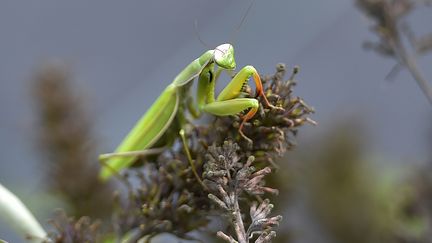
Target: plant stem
point(411, 64)
point(238, 221)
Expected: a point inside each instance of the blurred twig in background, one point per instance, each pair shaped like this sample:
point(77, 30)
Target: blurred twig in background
point(68, 144)
point(398, 41)
point(389, 25)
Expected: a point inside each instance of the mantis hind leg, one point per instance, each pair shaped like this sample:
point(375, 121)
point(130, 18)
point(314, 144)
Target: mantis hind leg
point(103, 158)
point(232, 107)
point(152, 151)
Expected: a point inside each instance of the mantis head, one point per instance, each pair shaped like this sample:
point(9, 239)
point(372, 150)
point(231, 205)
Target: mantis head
point(224, 56)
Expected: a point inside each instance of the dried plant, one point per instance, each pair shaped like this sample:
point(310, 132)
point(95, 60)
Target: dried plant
point(66, 139)
point(390, 27)
point(180, 191)
point(227, 179)
point(165, 199)
point(273, 130)
point(69, 230)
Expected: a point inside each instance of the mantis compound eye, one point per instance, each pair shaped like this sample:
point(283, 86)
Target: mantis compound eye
point(224, 56)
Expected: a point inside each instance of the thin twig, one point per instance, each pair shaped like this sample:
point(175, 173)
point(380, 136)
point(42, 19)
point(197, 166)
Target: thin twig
point(238, 222)
point(411, 64)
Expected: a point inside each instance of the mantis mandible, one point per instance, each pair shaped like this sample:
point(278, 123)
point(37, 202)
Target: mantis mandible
point(160, 115)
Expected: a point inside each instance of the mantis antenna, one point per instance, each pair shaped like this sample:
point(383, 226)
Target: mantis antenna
point(236, 30)
point(200, 39)
point(198, 35)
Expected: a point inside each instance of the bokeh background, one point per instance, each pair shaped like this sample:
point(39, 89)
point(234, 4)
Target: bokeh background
point(120, 55)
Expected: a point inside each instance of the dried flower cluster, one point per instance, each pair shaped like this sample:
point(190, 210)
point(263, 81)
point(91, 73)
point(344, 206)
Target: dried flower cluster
point(69, 230)
point(272, 130)
point(175, 192)
point(166, 199)
point(227, 179)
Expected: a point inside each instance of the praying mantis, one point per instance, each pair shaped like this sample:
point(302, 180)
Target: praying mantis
point(158, 118)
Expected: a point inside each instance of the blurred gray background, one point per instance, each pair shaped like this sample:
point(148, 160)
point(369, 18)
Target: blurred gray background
point(123, 53)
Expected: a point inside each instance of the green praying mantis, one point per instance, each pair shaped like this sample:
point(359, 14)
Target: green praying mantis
point(155, 122)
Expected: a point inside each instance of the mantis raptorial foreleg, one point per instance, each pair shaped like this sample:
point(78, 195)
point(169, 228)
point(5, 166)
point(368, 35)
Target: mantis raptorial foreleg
point(228, 103)
point(232, 107)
